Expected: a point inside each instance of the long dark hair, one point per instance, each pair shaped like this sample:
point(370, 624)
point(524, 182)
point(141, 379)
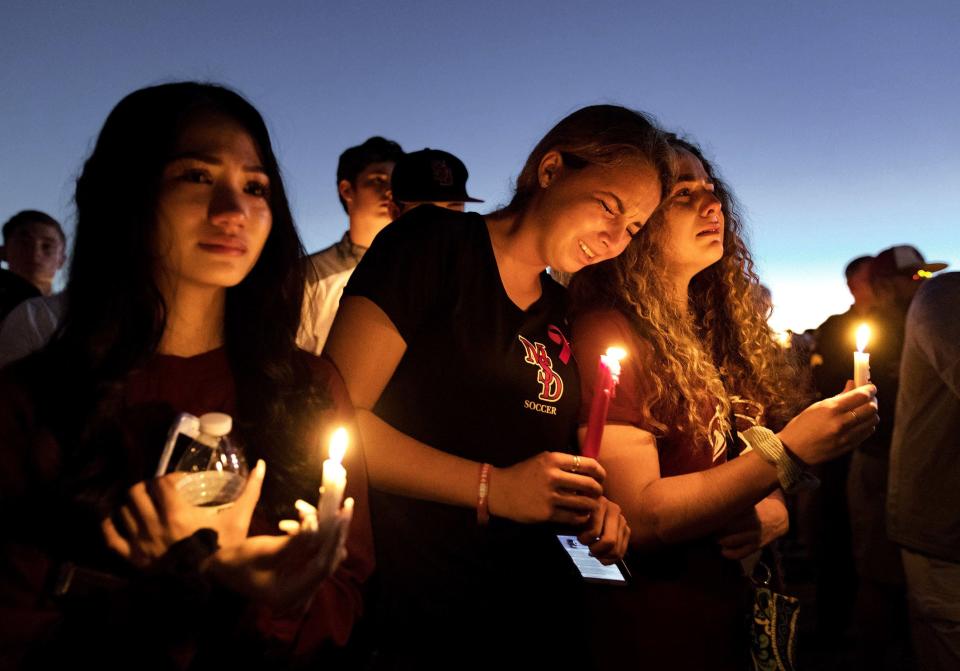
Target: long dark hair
point(116, 314)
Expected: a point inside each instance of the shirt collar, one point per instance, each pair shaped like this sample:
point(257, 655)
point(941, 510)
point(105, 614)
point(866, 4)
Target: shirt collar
point(347, 249)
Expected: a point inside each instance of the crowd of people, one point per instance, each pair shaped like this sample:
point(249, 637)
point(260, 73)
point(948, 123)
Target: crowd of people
point(460, 351)
point(862, 545)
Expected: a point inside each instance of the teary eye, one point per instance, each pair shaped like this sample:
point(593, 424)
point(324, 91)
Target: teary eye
point(196, 176)
point(259, 189)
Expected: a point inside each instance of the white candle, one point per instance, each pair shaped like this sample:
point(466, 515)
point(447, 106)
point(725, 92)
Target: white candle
point(334, 478)
point(861, 359)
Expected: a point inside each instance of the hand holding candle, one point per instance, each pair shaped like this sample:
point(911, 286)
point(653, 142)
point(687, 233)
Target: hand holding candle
point(861, 359)
point(334, 478)
point(608, 376)
point(308, 517)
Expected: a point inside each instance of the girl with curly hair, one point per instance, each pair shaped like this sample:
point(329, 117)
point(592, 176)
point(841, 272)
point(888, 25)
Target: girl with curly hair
point(703, 367)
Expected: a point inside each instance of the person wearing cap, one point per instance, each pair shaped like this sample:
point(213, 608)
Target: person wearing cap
point(363, 186)
point(923, 505)
point(896, 274)
point(430, 176)
point(836, 576)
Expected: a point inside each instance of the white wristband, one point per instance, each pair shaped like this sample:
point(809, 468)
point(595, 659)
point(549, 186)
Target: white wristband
point(792, 476)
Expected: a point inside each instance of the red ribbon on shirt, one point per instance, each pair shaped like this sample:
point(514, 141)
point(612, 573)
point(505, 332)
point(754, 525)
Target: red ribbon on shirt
point(556, 335)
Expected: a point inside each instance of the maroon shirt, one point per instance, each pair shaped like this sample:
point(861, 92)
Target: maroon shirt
point(32, 474)
point(678, 452)
point(684, 606)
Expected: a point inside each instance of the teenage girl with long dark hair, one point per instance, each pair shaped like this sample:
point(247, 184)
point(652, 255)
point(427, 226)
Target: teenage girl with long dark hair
point(184, 296)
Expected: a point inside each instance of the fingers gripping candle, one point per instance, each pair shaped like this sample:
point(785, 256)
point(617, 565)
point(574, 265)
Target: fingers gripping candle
point(608, 376)
point(334, 478)
point(861, 359)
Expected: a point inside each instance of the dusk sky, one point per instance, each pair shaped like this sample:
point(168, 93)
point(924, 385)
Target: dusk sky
point(836, 123)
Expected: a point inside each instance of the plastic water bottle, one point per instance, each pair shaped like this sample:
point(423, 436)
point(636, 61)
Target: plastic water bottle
point(215, 467)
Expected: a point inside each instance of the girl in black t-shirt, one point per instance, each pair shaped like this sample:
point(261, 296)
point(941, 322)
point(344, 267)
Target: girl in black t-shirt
point(452, 341)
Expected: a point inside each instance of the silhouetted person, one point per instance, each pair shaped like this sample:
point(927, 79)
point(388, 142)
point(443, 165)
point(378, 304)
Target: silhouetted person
point(833, 554)
point(835, 336)
point(923, 503)
point(430, 176)
point(895, 276)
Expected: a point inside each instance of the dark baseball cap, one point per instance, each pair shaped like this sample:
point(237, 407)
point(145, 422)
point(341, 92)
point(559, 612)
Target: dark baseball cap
point(432, 176)
point(902, 260)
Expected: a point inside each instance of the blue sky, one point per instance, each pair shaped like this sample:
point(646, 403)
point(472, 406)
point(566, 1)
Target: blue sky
point(835, 123)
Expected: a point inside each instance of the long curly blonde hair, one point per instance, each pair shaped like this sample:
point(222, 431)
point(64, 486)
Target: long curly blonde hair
point(714, 349)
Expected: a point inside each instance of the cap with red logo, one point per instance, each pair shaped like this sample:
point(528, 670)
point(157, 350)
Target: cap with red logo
point(432, 176)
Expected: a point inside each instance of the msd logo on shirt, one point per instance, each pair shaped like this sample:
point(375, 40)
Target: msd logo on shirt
point(551, 384)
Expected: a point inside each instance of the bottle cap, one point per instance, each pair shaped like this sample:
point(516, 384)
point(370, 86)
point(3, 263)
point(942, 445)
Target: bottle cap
point(216, 424)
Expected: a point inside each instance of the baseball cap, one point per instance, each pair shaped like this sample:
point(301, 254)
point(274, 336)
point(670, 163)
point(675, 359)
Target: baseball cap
point(430, 175)
point(902, 260)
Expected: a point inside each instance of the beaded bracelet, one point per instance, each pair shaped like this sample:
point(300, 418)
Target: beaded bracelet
point(483, 507)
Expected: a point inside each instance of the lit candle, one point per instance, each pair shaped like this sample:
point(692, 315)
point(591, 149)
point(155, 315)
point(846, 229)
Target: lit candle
point(334, 478)
point(608, 376)
point(861, 359)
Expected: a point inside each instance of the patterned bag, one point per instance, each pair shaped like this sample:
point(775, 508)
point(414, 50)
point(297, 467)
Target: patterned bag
point(773, 621)
point(773, 629)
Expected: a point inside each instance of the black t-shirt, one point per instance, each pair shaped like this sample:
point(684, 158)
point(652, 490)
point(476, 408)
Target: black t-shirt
point(481, 379)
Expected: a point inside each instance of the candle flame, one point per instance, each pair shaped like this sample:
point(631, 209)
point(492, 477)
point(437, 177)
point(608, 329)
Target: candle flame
point(863, 336)
point(616, 353)
point(338, 445)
